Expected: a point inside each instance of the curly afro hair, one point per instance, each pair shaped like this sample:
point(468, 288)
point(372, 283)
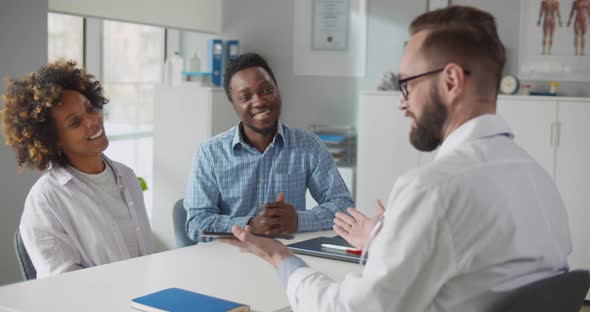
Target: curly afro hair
point(25, 116)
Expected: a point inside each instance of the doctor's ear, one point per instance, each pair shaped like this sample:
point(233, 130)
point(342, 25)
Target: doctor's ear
point(454, 77)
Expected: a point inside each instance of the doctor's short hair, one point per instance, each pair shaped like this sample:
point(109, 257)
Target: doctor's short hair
point(466, 36)
point(244, 61)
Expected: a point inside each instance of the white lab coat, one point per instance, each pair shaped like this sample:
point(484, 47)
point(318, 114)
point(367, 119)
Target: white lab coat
point(482, 219)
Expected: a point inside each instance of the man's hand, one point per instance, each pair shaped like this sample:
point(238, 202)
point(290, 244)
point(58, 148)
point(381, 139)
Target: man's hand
point(275, 218)
point(273, 251)
point(357, 227)
point(282, 215)
point(262, 224)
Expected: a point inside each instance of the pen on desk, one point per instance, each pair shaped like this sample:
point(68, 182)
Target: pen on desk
point(343, 248)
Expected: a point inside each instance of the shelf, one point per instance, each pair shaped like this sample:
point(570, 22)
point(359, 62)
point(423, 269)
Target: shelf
point(196, 74)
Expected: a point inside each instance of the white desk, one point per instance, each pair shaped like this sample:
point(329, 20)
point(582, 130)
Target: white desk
point(213, 269)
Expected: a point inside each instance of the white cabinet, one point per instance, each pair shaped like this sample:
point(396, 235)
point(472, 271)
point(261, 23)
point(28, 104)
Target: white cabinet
point(553, 131)
point(572, 174)
point(533, 123)
point(184, 117)
point(384, 151)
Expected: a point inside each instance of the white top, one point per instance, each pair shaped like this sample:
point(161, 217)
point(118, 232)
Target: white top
point(104, 185)
point(482, 219)
point(65, 226)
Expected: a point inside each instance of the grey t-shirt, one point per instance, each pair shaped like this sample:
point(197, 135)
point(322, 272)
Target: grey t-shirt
point(105, 188)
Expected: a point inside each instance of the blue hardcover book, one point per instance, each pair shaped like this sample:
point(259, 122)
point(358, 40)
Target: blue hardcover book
point(180, 300)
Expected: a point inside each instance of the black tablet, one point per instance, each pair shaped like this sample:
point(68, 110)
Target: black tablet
point(313, 247)
point(207, 234)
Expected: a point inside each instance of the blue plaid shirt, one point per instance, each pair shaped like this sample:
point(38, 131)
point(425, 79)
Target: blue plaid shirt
point(231, 180)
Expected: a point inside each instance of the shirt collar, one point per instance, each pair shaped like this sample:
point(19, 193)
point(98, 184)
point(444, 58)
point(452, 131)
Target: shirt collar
point(239, 140)
point(477, 128)
point(63, 176)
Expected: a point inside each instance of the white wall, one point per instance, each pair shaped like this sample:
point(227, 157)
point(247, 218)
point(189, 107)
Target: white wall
point(23, 46)
point(507, 13)
point(266, 27)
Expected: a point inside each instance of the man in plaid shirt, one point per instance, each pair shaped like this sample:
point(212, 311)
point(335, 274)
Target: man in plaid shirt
point(257, 172)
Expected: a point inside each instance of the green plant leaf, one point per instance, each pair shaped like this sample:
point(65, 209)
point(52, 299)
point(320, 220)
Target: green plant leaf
point(142, 184)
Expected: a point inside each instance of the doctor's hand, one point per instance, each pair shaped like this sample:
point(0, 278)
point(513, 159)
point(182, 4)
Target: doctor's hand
point(357, 227)
point(272, 251)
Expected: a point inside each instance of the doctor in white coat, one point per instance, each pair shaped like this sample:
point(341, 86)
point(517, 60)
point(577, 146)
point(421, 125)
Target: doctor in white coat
point(458, 234)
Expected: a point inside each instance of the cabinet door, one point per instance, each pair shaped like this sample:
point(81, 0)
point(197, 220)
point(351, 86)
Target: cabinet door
point(572, 175)
point(533, 124)
point(384, 150)
point(184, 117)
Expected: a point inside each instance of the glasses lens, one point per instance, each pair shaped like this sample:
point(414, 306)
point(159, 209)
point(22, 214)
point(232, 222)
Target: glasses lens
point(404, 89)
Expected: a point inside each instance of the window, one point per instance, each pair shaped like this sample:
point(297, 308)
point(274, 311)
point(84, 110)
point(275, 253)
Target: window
point(128, 59)
point(132, 65)
point(65, 38)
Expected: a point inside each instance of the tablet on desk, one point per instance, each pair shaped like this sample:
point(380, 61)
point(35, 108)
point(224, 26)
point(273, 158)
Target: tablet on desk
point(313, 247)
point(207, 234)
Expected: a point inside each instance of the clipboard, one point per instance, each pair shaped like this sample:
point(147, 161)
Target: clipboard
point(313, 247)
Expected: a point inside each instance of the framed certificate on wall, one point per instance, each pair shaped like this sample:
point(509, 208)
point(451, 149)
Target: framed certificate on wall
point(330, 38)
point(330, 24)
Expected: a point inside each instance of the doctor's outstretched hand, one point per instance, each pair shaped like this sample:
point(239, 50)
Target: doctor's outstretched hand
point(273, 251)
point(356, 227)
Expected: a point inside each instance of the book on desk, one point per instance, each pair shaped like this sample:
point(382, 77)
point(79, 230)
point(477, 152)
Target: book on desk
point(180, 300)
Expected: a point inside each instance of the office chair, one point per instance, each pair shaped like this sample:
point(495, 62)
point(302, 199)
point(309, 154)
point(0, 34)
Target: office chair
point(179, 221)
point(564, 293)
point(26, 266)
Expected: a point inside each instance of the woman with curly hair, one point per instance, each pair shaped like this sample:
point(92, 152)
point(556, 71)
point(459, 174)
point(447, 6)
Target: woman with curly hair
point(85, 210)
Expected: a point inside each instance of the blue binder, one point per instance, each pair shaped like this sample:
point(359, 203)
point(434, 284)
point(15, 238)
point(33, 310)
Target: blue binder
point(215, 57)
point(232, 49)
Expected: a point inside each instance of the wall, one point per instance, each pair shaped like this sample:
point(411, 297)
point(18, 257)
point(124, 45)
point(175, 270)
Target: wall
point(507, 13)
point(387, 29)
point(311, 99)
point(23, 42)
point(327, 100)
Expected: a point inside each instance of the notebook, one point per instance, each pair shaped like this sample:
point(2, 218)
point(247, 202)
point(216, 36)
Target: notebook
point(180, 300)
point(313, 247)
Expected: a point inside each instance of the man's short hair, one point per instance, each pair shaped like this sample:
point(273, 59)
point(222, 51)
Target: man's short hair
point(244, 61)
point(466, 36)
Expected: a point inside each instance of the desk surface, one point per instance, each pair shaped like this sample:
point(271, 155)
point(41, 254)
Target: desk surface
point(213, 269)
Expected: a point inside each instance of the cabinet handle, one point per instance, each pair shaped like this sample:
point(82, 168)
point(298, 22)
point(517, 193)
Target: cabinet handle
point(558, 134)
point(551, 134)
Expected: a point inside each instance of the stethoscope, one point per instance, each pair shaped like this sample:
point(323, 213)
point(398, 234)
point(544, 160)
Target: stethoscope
point(372, 236)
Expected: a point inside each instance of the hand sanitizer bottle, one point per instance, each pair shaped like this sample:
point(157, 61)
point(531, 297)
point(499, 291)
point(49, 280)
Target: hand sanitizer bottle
point(173, 70)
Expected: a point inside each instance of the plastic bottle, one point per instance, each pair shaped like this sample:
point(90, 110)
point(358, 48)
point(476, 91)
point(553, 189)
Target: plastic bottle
point(553, 87)
point(173, 70)
point(194, 64)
